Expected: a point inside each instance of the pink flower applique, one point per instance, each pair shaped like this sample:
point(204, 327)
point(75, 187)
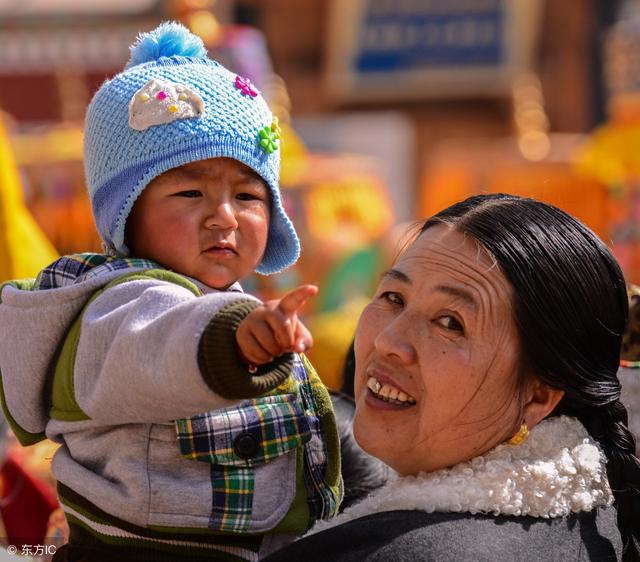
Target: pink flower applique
point(245, 86)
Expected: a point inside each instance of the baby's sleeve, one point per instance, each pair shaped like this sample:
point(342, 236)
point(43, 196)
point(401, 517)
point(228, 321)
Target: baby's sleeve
point(220, 365)
point(152, 351)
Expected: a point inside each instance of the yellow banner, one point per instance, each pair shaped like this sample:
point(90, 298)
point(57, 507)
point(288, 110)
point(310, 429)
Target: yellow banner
point(24, 249)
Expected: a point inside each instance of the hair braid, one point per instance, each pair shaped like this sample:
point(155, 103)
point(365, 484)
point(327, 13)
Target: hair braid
point(608, 425)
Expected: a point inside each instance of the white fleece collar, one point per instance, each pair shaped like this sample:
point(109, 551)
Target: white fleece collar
point(559, 469)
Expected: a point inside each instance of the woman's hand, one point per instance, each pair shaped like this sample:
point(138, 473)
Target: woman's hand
point(274, 328)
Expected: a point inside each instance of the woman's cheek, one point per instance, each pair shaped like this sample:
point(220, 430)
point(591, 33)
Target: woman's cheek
point(373, 318)
point(364, 332)
point(365, 435)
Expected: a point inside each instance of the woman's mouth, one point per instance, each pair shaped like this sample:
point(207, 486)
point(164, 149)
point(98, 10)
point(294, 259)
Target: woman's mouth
point(389, 393)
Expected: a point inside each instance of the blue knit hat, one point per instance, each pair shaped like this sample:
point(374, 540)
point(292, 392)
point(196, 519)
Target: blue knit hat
point(170, 106)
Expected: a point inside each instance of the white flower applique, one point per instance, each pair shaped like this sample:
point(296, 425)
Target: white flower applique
point(159, 102)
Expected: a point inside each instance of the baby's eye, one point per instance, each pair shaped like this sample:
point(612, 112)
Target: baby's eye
point(392, 298)
point(246, 196)
point(450, 323)
point(189, 193)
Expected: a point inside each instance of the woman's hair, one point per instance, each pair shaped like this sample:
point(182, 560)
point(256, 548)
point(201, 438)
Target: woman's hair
point(349, 371)
point(570, 307)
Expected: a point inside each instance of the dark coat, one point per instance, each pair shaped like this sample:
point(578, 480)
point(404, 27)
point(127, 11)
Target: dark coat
point(398, 536)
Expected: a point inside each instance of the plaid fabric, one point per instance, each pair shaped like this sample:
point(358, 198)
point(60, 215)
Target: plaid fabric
point(232, 499)
point(323, 504)
point(79, 267)
point(279, 423)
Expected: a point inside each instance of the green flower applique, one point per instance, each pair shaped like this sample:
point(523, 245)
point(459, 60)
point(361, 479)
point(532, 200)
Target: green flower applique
point(268, 139)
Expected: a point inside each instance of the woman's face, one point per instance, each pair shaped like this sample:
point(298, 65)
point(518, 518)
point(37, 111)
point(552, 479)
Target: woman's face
point(436, 357)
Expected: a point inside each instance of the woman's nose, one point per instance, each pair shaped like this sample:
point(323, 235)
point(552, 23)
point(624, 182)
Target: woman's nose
point(394, 341)
point(221, 215)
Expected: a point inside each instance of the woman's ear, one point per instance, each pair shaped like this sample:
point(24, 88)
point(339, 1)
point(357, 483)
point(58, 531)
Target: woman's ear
point(540, 401)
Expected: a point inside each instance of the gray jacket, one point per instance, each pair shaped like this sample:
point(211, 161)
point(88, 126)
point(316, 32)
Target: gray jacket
point(544, 500)
point(133, 362)
point(411, 536)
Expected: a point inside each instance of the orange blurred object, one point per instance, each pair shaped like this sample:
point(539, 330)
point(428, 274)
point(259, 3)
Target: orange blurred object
point(459, 170)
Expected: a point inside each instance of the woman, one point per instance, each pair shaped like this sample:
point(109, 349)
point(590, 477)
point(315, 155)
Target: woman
point(486, 377)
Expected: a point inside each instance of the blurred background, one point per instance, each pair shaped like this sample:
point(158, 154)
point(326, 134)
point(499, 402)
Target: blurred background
point(391, 110)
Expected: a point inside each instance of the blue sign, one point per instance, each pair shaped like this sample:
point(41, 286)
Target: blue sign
point(405, 35)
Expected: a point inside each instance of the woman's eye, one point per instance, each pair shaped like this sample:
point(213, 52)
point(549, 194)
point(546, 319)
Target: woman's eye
point(392, 298)
point(189, 193)
point(450, 323)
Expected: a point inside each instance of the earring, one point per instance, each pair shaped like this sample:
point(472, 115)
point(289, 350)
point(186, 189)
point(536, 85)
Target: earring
point(520, 436)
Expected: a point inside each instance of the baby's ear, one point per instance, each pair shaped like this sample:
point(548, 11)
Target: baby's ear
point(540, 401)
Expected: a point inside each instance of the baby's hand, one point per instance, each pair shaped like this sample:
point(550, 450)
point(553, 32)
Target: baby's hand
point(274, 328)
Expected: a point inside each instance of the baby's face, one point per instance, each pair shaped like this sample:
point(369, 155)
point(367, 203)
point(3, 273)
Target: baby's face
point(208, 220)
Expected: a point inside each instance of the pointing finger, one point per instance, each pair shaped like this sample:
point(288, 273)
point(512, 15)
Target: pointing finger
point(295, 299)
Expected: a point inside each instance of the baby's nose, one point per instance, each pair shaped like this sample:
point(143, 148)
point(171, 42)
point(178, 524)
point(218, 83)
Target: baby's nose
point(222, 215)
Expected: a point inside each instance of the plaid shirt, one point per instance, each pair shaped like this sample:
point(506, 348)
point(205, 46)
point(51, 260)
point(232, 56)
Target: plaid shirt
point(279, 423)
point(76, 268)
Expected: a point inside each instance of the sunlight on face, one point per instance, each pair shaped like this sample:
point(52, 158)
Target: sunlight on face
point(436, 357)
point(208, 220)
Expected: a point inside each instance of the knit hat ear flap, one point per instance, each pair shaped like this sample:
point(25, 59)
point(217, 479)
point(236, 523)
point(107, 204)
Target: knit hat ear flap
point(171, 106)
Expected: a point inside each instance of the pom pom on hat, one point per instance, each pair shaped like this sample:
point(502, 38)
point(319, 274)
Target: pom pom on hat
point(167, 40)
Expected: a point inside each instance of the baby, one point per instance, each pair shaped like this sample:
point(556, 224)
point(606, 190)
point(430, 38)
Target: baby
point(190, 426)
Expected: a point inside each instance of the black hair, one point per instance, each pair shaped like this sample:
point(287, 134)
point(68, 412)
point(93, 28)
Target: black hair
point(349, 371)
point(570, 307)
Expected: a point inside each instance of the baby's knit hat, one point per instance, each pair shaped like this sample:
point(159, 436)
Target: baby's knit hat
point(171, 105)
